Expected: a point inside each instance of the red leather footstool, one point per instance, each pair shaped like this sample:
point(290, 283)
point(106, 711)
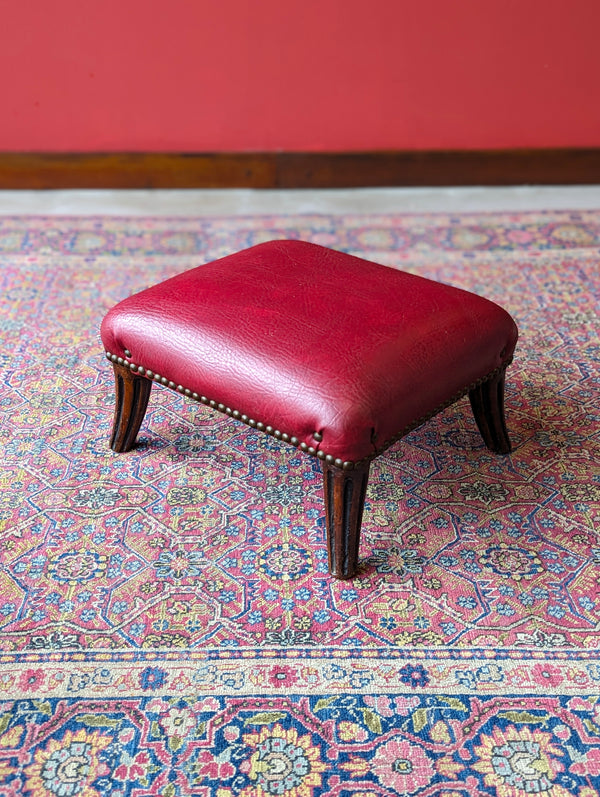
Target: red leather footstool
point(330, 353)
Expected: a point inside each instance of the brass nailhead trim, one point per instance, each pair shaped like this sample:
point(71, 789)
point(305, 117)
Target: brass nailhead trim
point(337, 462)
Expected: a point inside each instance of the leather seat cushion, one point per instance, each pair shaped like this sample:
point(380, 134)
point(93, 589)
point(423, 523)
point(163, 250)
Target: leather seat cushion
point(310, 340)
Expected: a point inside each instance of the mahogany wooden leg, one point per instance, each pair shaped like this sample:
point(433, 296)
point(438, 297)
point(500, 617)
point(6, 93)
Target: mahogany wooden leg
point(132, 394)
point(345, 492)
point(487, 402)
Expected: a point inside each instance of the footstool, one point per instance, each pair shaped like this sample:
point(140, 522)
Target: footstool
point(335, 355)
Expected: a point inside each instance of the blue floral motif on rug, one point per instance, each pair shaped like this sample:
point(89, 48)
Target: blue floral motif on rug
point(368, 744)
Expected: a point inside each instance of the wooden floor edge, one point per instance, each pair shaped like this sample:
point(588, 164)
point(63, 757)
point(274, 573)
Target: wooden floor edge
point(20, 170)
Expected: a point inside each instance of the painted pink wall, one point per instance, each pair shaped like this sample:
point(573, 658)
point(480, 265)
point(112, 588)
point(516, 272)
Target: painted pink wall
point(209, 75)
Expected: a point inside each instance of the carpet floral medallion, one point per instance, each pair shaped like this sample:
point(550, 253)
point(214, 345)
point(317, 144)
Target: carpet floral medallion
point(168, 626)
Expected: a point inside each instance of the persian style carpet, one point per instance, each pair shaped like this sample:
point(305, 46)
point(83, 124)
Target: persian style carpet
point(168, 626)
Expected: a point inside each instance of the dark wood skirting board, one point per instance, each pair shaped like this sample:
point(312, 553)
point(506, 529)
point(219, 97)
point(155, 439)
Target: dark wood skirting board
point(299, 169)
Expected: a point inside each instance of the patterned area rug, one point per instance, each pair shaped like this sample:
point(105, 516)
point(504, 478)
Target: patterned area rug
point(168, 624)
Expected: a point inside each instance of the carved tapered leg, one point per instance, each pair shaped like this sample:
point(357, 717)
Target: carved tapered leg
point(487, 402)
point(132, 394)
point(345, 492)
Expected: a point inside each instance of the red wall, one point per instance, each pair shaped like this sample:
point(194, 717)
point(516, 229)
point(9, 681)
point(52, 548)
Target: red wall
point(207, 75)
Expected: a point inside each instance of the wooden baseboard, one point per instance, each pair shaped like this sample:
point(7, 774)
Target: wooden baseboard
point(299, 169)
point(136, 170)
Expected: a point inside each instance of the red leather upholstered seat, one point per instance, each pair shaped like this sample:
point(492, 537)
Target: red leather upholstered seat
point(335, 354)
point(306, 339)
